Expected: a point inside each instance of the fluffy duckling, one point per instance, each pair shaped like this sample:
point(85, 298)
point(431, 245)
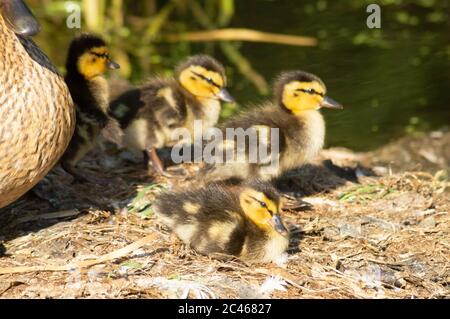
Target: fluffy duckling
point(37, 116)
point(149, 115)
point(242, 221)
point(87, 62)
point(301, 130)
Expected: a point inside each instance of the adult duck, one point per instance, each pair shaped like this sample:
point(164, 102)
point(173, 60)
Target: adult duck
point(37, 116)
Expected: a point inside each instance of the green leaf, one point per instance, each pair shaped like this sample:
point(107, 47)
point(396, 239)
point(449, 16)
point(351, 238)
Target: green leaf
point(132, 264)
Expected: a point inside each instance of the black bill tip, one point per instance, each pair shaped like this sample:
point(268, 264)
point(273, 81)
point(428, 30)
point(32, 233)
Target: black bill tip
point(331, 104)
point(279, 226)
point(225, 96)
point(113, 65)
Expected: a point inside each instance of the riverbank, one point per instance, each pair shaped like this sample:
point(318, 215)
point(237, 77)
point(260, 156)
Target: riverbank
point(378, 227)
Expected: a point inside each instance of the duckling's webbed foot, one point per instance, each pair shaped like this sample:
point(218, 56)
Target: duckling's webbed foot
point(155, 164)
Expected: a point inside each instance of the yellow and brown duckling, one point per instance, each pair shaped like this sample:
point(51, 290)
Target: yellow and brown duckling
point(243, 221)
point(87, 62)
point(301, 130)
point(150, 114)
point(37, 116)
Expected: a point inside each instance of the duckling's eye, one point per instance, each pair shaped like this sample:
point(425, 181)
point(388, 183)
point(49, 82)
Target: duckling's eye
point(193, 78)
point(264, 205)
point(310, 91)
point(102, 56)
point(208, 80)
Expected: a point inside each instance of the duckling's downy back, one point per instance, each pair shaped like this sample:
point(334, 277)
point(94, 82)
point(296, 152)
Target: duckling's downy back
point(212, 220)
point(36, 112)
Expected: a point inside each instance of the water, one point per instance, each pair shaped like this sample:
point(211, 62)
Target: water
point(396, 85)
point(392, 81)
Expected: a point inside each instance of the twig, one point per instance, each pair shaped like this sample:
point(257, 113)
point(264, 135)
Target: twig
point(11, 285)
point(293, 280)
point(61, 214)
point(241, 35)
point(83, 264)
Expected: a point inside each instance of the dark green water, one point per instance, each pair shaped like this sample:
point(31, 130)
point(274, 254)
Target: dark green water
point(393, 81)
point(397, 83)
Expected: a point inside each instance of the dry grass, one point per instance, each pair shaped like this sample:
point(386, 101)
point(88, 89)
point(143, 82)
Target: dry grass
point(379, 237)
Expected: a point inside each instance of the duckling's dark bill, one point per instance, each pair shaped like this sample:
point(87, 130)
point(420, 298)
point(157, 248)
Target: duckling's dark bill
point(278, 225)
point(331, 104)
point(113, 65)
point(19, 17)
point(225, 96)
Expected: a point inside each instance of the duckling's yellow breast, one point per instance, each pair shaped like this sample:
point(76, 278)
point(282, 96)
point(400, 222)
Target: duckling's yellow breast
point(36, 112)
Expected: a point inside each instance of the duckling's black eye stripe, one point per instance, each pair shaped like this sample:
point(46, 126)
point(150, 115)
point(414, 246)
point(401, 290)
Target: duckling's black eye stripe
point(312, 92)
point(264, 205)
point(257, 200)
point(206, 79)
point(103, 55)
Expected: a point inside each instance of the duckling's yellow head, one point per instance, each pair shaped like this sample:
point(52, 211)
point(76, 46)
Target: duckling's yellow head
point(299, 91)
point(204, 77)
point(89, 57)
point(18, 17)
point(262, 206)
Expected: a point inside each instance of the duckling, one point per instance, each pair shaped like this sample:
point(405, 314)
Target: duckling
point(296, 119)
point(37, 115)
point(243, 221)
point(87, 62)
point(150, 114)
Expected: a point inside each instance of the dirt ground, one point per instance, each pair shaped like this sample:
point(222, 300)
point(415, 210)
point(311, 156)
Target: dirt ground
point(378, 227)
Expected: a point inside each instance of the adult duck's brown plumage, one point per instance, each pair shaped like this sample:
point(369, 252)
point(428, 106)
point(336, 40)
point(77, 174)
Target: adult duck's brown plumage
point(36, 109)
point(149, 115)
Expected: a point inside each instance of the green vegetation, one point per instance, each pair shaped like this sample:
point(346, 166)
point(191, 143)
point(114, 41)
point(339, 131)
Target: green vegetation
point(141, 204)
point(365, 193)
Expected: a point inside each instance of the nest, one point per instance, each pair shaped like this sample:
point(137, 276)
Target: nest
point(369, 233)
